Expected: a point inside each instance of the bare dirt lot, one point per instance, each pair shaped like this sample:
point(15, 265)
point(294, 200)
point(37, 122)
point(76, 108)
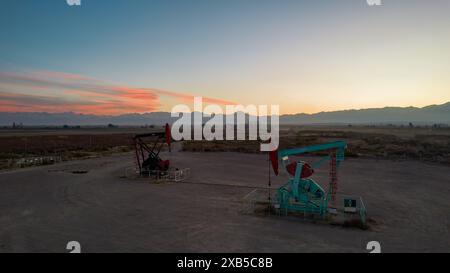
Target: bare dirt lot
point(89, 201)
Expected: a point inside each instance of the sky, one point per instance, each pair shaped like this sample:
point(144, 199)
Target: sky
point(116, 56)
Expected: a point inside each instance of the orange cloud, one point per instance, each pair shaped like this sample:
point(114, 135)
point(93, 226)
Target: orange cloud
point(81, 94)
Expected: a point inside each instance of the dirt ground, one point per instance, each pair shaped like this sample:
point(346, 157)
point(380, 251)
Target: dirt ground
point(43, 208)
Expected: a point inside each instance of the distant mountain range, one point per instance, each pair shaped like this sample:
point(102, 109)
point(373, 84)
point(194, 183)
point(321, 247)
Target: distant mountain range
point(433, 114)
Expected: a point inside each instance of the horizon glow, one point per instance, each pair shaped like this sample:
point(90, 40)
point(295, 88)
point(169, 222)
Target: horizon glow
point(116, 57)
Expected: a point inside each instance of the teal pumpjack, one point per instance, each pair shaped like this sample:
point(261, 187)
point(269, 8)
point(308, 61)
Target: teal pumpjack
point(301, 193)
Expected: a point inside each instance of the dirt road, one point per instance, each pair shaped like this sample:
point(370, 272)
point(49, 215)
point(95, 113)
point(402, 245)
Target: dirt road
point(41, 209)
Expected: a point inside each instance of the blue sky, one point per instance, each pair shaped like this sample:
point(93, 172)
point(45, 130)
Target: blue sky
point(307, 56)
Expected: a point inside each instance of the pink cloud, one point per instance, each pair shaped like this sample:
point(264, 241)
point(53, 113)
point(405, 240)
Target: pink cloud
point(82, 94)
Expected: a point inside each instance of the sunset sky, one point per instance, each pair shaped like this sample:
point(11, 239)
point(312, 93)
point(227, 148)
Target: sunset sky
point(120, 56)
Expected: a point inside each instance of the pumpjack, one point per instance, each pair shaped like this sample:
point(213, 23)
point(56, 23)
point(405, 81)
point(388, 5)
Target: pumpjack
point(148, 148)
point(301, 193)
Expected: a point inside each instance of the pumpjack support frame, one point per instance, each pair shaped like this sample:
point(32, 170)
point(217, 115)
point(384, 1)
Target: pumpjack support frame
point(147, 152)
